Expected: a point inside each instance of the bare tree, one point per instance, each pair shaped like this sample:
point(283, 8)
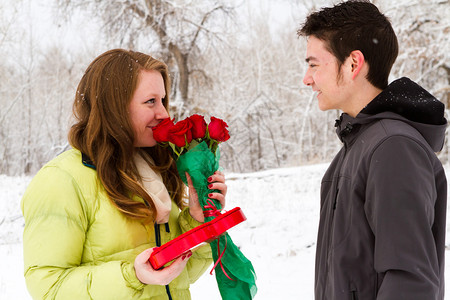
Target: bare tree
point(182, 30)
point(258, 91)
point(423, 30)
point(11, 88)
point(36, 92)
point(274, 117)
point(246, 70)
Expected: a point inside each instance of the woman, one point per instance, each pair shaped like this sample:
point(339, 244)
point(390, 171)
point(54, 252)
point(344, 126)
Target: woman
point(93, 214)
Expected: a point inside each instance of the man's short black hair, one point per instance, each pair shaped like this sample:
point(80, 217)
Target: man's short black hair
point(356, 25)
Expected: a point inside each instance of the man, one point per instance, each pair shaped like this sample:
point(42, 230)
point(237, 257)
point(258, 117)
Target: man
point(383, 198)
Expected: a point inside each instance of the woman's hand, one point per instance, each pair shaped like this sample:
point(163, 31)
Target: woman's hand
point(147, 275)
point(216, 182)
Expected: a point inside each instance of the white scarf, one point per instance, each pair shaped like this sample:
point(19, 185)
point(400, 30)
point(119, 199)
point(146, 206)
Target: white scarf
point(154, 186)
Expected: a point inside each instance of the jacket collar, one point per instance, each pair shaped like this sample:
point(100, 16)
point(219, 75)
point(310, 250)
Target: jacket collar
point(409, 100)
point(87, 161)
point(346, 128)
point(405, 101)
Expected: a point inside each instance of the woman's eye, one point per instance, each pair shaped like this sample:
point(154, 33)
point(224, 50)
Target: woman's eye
point(151, 101)
point(312, 65)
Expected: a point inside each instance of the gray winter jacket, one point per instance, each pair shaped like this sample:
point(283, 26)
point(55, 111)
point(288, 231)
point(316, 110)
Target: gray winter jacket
point(383, 202)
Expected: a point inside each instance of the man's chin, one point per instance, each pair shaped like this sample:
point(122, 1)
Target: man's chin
point(323, 106)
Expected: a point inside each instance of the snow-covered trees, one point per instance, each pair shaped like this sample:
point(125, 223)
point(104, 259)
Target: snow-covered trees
point(423, 29)
point(237, 60)
point(178, 32)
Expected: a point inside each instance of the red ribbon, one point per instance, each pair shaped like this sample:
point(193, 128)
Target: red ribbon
point(214, 212)
point(219, 260)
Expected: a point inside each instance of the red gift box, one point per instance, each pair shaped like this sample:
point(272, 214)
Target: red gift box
point(206, 232)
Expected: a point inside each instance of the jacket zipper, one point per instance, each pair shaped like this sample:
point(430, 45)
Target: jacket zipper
point(158, 244)
point(335, 203)
point(332, 212)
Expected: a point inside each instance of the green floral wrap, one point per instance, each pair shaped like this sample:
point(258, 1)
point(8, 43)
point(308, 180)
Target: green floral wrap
point(201, 163)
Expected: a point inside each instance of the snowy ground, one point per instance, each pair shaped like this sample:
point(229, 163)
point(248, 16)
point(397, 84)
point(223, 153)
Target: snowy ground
point(278, 237)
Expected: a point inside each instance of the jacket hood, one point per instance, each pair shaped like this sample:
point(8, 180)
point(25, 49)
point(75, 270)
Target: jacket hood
point(406, 101)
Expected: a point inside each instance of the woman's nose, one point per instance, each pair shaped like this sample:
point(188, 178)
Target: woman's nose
point(162, 112)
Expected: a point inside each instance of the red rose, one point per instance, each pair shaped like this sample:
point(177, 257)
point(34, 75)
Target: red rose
point(198, 126)
point(161, 131)
point(180, 133)
point(218, 130)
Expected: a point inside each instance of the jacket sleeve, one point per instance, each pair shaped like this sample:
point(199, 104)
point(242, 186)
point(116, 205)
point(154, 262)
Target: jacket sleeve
point(400, 199)
point(202, 257)
point(56, 220)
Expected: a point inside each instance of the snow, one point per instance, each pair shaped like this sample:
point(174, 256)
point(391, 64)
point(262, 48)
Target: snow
point(12, 284)
point(279, 235)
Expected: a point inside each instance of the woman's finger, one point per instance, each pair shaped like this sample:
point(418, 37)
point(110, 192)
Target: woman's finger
point(217, 177)
point(146, 274)
point(171, 272)
point(219, 197)
point(190, 184)
point(143, 257)
point(221, 187)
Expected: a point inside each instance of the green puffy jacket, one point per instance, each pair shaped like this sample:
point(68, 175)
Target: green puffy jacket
point(77, 245)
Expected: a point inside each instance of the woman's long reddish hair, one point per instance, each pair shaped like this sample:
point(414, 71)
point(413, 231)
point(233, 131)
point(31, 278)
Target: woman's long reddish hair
point(103, 130)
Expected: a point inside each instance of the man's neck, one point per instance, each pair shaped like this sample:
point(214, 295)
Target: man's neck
point(362, 94)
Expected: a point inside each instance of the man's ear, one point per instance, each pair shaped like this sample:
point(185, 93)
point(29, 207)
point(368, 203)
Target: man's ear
point(357, 62)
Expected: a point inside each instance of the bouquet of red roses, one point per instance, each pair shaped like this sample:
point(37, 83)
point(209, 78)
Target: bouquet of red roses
point(190, 132)
point(194, 145)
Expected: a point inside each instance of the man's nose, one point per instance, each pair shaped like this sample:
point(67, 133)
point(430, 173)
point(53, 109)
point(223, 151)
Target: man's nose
point(307, 79)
